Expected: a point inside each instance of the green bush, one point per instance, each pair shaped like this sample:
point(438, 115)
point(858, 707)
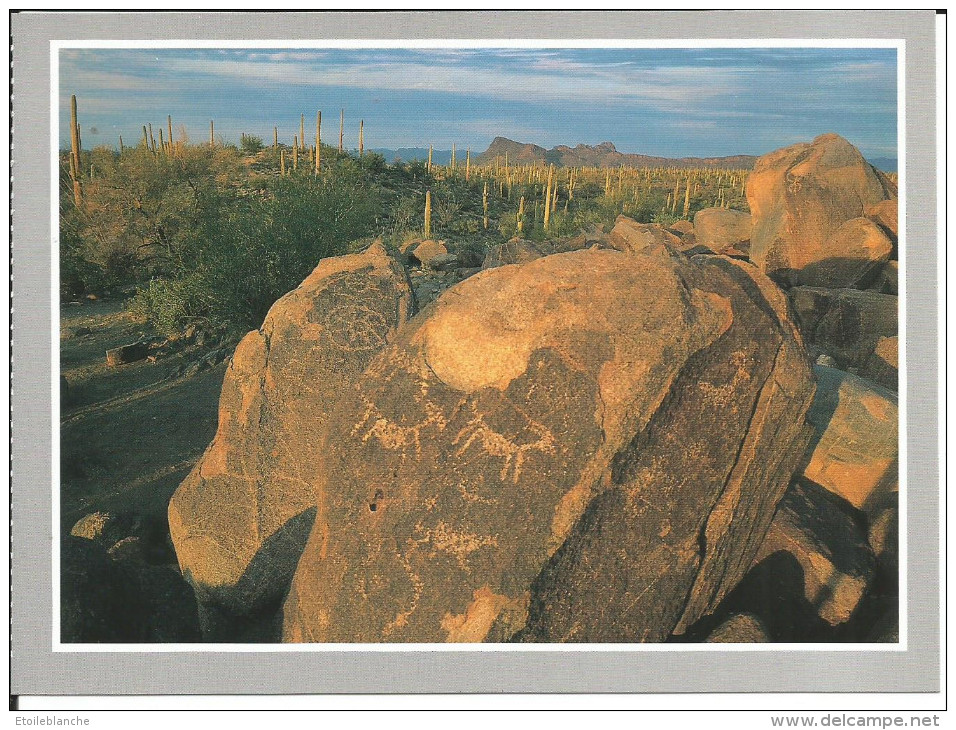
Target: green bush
point(250, 144)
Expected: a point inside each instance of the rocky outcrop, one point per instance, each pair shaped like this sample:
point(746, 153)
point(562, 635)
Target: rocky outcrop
point(799, 198)
point(586, 447)
point(241, 518)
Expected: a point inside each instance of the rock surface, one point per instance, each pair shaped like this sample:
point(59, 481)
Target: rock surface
point(886, 214)
point(856, 252)
point(882, 366)
point(632, 237)
point(538, 458)
point(240, 519)
point(799, 197)
point(855, 454)
point(722, 229)
point(741, 628)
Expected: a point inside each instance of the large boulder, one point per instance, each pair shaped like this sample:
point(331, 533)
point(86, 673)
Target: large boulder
point(586, 447)
point(722, 229)
point(241, 518)
point(846, 324)
point(799, 198)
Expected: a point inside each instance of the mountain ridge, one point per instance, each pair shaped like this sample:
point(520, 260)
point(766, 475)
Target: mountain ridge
point(604, 154)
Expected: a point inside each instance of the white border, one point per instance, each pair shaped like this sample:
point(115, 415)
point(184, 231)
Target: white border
point(57, 45)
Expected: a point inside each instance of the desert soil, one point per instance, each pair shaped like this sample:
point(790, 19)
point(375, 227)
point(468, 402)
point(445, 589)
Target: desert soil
point(128, 434)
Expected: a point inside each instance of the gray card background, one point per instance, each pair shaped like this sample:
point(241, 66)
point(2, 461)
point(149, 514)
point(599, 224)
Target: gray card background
point(36, 669)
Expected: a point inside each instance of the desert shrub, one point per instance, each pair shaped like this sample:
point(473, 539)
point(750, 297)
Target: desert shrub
point(246, 252)
point(250, 143)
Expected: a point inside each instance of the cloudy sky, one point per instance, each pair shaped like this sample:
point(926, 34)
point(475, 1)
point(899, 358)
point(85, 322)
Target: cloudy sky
point(671, 102)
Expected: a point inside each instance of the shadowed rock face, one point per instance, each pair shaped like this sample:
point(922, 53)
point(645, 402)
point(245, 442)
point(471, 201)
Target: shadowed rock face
point(799, 197)
point(832, 550)
point(241, 518)
point(586, 447)
point(845, 323)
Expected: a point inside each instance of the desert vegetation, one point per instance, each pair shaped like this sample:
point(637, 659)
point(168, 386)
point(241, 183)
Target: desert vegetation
point(213, 233)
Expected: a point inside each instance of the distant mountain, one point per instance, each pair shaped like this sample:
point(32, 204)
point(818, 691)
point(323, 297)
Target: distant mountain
point(602, 155)
point(409, 154)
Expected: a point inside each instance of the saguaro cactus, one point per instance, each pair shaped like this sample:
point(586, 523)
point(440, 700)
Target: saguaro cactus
point(361, 137)
point(162, 144)
point(687, 199)
point(429, 167)
point(484, 205)
point(74, 136)
point(318, 141)
point(169, 132)
point(453, 157)
point(547, 199)
point(342, 131)
point(468, 164)
point(282, 163)
point(275, 138)
point(521, 214)
point(212, 133)
point(302, 131)
point(428, 213)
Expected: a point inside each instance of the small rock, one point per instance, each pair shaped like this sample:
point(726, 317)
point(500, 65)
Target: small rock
point(126, 354)
point(681, 228)
point(428, 250)
point(632, 237)
point(91, 526)
point(826, 361)
point(92, 297)
point(129, 548)
point(462, 274)
point(741, 628)
point(443, 262)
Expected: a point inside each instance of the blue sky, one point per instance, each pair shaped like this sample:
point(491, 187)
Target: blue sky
point(670, 102)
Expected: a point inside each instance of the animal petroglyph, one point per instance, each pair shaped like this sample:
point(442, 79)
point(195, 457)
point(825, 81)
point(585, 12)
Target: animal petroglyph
point(494, 443)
